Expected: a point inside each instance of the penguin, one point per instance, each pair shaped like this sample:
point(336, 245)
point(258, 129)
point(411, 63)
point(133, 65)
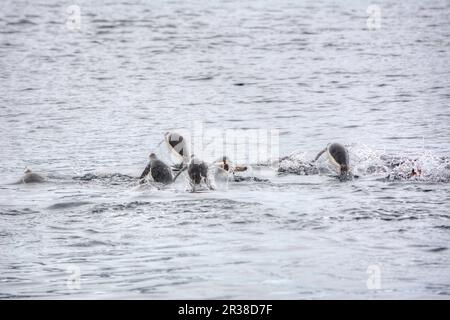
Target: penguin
point(338, 156)
point(159, 171)
point(31, 177)
point(197, 173)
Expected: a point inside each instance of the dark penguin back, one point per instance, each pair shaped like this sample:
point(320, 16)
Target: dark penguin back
point(197, 170)
point(339, 153)
point(161, 172)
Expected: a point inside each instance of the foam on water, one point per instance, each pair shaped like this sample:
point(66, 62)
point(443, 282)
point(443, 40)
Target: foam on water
point(367, 162)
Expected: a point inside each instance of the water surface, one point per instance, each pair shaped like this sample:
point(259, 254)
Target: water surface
point(85, 107)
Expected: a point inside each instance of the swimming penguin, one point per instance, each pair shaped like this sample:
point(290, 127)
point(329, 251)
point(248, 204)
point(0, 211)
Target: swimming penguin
point(159, 171)
point(226, 164)
point(197, 172)
point(338, 156)
point(31, 177)
point(178, 148)
point(225, 168)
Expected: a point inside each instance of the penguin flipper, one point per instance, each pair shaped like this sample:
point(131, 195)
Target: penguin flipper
point(320, 154)
point(179, 172)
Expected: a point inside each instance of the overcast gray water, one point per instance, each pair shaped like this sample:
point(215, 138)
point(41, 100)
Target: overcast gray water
point(84, 106)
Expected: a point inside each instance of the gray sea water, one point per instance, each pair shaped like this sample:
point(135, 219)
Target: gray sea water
point(83, 102)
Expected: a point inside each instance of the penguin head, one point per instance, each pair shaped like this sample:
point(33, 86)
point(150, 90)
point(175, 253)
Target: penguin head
point(344, 169)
